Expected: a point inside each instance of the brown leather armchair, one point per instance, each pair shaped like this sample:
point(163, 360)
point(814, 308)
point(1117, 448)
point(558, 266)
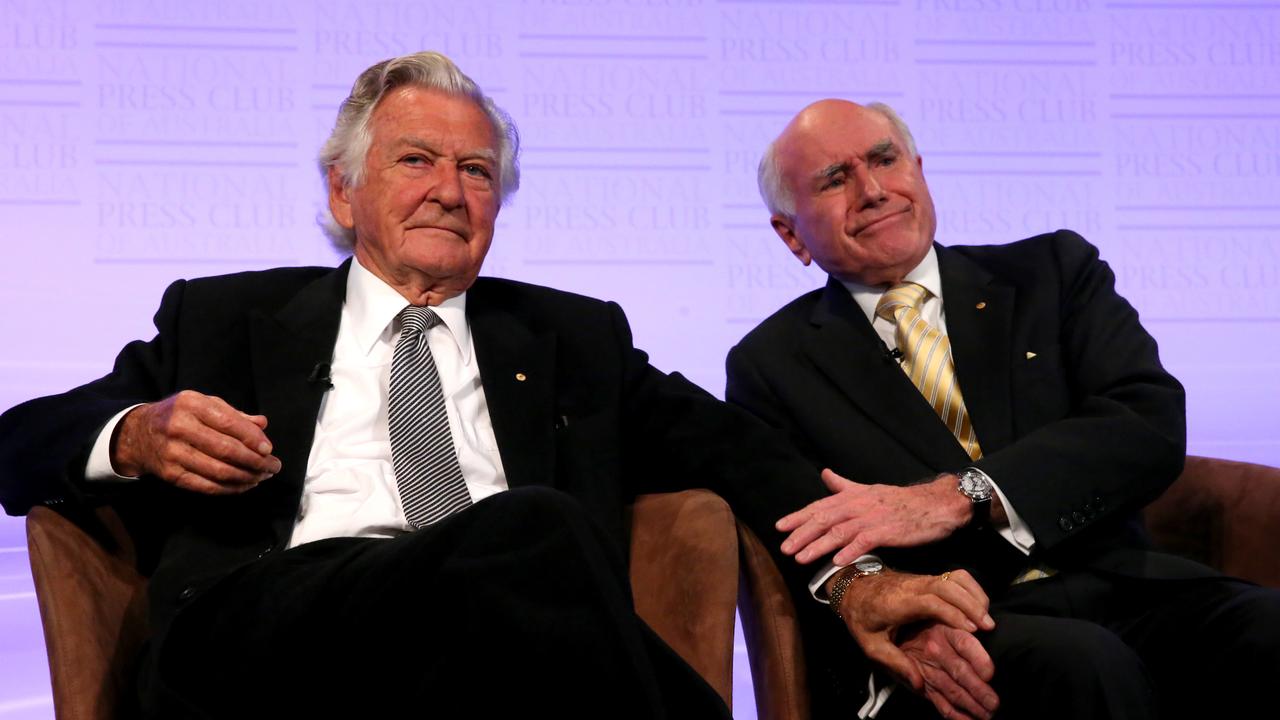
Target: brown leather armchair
point(1219, 512)
point(684, 569)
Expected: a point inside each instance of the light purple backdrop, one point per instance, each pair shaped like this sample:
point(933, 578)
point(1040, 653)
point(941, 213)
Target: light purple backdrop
point(146, 140)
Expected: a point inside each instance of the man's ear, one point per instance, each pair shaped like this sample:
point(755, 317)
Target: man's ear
point(785, 227)
point(339, 201)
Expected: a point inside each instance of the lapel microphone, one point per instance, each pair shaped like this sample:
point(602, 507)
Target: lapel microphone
point(894, 355)
point(320, 376)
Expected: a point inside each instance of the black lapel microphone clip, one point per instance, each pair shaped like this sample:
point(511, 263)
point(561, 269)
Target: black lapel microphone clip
point(894, 355)
point(320, 376)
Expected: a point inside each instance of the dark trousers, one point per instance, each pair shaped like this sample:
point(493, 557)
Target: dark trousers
point(518, 606)
point(1093, 646)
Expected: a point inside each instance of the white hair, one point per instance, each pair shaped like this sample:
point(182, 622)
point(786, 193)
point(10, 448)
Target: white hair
point(349, 143)
point(777, 196)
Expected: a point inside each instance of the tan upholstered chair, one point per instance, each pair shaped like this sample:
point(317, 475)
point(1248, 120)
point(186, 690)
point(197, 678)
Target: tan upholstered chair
point(684, 569)
point(93, 607)
point(1224, 514)
point(1220, 512)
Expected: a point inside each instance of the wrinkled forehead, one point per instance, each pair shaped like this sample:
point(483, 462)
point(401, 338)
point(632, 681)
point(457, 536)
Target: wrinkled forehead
point(417, 110)
point(831, 134)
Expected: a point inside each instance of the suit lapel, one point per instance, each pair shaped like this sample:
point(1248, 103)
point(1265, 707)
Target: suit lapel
point(980, 324)
point(286, 348)
point(845, 348)
point(517, 368)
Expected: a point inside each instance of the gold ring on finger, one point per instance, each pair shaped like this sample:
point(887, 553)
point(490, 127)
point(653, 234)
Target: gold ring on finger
point(946, 576)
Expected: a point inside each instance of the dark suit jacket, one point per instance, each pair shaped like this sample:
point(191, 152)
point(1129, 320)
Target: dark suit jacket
point(591, 418)
point(1079, 423)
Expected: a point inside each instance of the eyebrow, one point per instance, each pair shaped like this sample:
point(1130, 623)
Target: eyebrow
point(882, 148)
point(831, 171)
point(417, 142)
point(480, 153)
point(483, 154)
point(877, 151)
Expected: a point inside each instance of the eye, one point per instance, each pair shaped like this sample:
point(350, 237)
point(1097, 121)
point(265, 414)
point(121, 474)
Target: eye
point(886, 160)
point(415, 160)
point(834, 181)
point(477, 170)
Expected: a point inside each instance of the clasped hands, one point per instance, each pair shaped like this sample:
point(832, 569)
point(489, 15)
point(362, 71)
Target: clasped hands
point(196, 442)
point(920, 628)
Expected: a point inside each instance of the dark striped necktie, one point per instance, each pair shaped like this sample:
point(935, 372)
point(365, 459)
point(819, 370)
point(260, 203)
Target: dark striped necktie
point(422, 454)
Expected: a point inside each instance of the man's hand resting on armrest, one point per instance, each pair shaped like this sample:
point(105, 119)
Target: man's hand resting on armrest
point(196, 442)
point(920, 629)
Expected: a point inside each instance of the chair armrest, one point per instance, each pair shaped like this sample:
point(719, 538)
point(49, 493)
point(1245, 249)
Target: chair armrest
point(772, 634)
point(93, 609)
point(684, 578)
point(1222, 513)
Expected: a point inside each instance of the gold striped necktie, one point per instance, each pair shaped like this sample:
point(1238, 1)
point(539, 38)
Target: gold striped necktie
point(926, 358)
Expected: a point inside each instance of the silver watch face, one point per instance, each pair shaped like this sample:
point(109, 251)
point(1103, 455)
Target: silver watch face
point(868, 567)
point(975, 486)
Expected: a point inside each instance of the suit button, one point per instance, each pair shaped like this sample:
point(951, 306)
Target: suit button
point(1065, 523)
point(187, 593)
point(1097, 503)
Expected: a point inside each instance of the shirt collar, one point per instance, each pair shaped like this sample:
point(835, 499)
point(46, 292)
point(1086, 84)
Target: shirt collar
point(372, 307)
point(926, 274)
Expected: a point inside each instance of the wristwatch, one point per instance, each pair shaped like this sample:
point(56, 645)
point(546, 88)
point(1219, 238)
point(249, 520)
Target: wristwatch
point(975, 485)
point(861, 568)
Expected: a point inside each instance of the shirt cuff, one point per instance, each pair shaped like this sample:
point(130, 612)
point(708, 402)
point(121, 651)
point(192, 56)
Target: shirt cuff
point(1016, 532)
point(99, 468)
point(875, 698)
point(817, 585)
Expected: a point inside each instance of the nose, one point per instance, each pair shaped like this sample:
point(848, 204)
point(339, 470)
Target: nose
point(870, 194)
point(446, 188)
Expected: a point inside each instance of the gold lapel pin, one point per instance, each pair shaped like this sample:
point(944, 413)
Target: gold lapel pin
point(521, 377)
point(981, 304)
point(1030, 354)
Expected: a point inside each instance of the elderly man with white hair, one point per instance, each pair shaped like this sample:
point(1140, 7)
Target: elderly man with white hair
point(393, 488)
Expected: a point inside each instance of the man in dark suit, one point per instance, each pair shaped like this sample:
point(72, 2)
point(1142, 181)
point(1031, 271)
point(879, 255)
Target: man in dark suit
point(1032, 422)
point(337, 528)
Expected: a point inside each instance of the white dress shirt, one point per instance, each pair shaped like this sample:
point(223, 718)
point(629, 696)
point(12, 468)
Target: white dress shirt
point(349, 489)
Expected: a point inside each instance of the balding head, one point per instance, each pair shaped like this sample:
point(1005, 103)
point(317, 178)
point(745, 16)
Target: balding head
point(769, 182)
